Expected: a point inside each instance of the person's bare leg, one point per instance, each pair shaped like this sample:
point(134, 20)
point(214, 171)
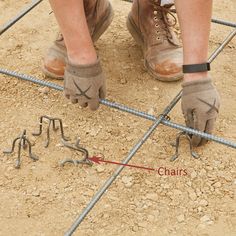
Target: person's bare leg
point(71, 18)
point(84, 81)
point(195, 20)
point(200, 99)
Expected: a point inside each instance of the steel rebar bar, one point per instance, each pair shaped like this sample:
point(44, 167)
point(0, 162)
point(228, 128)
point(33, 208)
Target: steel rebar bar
point(12, 21)
point(125, 109)
point(169, 123)
point(223, 22)
point(107, 184)
point(229, 37)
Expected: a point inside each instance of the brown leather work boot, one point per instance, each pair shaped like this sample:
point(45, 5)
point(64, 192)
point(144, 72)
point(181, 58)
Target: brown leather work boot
point(99, 16)
point(151, 28)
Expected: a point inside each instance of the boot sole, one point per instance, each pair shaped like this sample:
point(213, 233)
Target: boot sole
point(137, 35)
point(100, 28)
point(51, 75)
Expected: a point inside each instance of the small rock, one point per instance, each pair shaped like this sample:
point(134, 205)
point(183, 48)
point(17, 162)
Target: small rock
point(205, 219)
point(129, 138)
point(135, 228)
point(36, 193)
point(193, 175)
point(128, 185)
point(201, 226)
point(128, 181)
point(210, 222)
point(227, 177)
point(156, 89)
point(156, 213)
point(199, 209)
point(198, 192)
point(94, 132)
point(203, 202)
point(33, 140)
point(202, 172)
point(143, 224)
point(59, 145)
point(151, 218)
point(217, 185)
point(193, 196)
point(10, 168)
point(44, 90)
point(166, 186)
point(123, 80)
point(180, 218)
point(100, 168)
point(151, 111)
point(148, 182)
point(189, 183)
point(209, 168)
point(152, 196)
point(177, 192)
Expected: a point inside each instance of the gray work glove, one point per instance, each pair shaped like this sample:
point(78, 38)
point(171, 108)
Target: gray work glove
point(200, 107)
point(85, 84)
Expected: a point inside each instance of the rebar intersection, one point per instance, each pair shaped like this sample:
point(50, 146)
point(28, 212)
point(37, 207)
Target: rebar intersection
point(157, 121)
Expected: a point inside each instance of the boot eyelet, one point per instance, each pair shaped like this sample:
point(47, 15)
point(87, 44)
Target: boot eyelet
point(155, 18)
point(156, 25)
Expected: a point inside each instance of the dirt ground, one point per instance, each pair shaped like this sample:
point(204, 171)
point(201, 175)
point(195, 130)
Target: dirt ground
point(43, 199)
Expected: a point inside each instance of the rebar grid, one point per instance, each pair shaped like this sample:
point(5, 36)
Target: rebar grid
point(157, 121)
point(133, 151)
point(126, 109)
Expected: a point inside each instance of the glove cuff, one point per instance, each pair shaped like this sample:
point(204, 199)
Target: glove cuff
point(86, 71)
point(197, 86)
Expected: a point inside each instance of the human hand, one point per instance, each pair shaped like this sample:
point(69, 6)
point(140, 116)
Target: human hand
point(200, 107)
point(85, 84)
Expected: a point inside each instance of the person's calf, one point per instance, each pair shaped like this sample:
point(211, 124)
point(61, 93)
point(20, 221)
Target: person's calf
point(99, 15)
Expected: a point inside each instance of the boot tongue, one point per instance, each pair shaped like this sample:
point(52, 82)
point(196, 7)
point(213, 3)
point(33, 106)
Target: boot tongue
point(163, 25)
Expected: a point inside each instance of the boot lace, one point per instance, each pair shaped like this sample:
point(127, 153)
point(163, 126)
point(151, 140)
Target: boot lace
point(162, 22)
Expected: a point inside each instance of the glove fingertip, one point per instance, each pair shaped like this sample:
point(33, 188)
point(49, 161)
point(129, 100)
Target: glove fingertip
point(73, 100)
point(94, 104)
point(67, 96)
point(209, 129)
point(102, 92)
point(196, 140)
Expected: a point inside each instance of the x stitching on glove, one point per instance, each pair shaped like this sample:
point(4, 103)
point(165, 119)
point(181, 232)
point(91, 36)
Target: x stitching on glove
point(82, 93)
point(212, 106)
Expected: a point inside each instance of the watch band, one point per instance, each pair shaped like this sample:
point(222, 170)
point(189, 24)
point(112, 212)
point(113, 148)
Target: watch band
point(194, 68)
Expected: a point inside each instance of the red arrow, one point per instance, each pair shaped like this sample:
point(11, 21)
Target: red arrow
point(98, 160)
